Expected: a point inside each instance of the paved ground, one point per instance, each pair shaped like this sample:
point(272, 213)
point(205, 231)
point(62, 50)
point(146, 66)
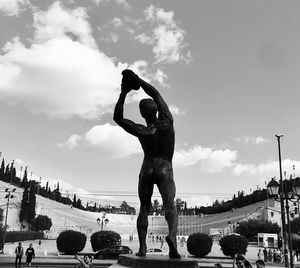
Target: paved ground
point(48, 248)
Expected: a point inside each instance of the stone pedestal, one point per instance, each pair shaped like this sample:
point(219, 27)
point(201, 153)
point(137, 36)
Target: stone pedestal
point(153, 261)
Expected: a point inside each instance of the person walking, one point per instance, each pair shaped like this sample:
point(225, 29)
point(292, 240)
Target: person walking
point(19, 255)
point(30, 254)
point(259, 255)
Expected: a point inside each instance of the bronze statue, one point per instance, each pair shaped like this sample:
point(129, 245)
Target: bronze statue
point(157, 140)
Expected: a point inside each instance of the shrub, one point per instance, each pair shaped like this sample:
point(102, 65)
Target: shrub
point(295, 226)
point(295, 241)
point(1, 237)
point(42, 222)
point(251, 228)
point(233, 244)
point(199, 244)
point(16, 236)
point(70, 242)
point(104, 239)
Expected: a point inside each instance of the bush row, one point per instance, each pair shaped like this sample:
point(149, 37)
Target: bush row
point(198, 244)
point(71, 242)
point(16, 236)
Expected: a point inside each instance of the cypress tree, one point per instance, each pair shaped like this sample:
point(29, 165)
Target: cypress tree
point(7, 170)
point(31, 205)
point(24, 205)
point(78, 205)
point(74, 203)
point(2, 169)
point(24, 182)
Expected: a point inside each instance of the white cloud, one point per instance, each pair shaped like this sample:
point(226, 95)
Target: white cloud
point(63, 73)
point(113, 141)
point(252, 140)
point(71, 143)
point(61, 78)
point(208, 160)
point(58, 22)
point(123, 3)
point(13, 7)
point(175, 110)
point(270, 168)
point(57, 75)
point(166, 37)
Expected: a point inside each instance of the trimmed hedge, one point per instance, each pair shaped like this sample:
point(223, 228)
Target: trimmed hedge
point(70, 242)
point(199, 244)
point(16, 236)
point(1, 237)
point(103, 239)
point(233, 244)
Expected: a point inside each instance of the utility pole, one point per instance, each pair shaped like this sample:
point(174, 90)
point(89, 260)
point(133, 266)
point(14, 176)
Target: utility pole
point(8, 196)
point(286, 259)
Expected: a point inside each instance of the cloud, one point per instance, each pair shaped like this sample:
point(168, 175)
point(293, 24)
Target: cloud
point(175, 110)
point(63, 73)
point(123, 3)
point(270, 168)
point(111, 140)
point(208, 160)
point(252, 140)
point(166, 37)
point(71, 143)
point(58, 22)
point(13, 7)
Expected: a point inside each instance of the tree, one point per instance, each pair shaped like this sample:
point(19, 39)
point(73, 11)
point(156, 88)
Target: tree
point(24, 182)
point(295, 226)
point(179, 204)
point(74, 203)
point(24, 205)
point(42, 222)
point(2, 169)
point(156, 207)
point(251, 228)
point(31, 205)
point(124, 207)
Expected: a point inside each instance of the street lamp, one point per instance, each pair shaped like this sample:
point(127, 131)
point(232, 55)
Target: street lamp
point(282, 193)
point(103, 221)
point(8, 196)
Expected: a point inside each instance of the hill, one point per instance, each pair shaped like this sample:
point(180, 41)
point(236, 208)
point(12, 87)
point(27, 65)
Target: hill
point(66, 217)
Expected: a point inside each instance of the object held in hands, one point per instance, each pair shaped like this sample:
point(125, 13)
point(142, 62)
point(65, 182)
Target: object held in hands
point(130, 80)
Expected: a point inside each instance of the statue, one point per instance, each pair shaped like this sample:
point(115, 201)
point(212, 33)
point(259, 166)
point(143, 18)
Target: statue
point(157, 140)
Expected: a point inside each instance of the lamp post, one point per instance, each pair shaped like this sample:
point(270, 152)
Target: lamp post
point(103, 221)
point(279, 192)
point(8, 196)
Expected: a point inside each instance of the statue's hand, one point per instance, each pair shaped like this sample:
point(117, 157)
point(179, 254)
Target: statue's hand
point(130, 80)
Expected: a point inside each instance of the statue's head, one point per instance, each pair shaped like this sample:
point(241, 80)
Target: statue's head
point(148, 108)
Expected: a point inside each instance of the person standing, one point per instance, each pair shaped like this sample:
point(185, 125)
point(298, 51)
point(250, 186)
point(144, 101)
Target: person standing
point(265, 251)
point(29, 255)
point(19, 254)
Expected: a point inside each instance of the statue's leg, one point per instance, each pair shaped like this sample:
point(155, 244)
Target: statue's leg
point(145, 193)
point(167, 190)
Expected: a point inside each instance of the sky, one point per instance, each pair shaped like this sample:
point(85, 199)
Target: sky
point(229, 71)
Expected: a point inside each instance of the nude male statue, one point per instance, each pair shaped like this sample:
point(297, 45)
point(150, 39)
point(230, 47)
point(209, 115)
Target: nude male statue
point(157, 140)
